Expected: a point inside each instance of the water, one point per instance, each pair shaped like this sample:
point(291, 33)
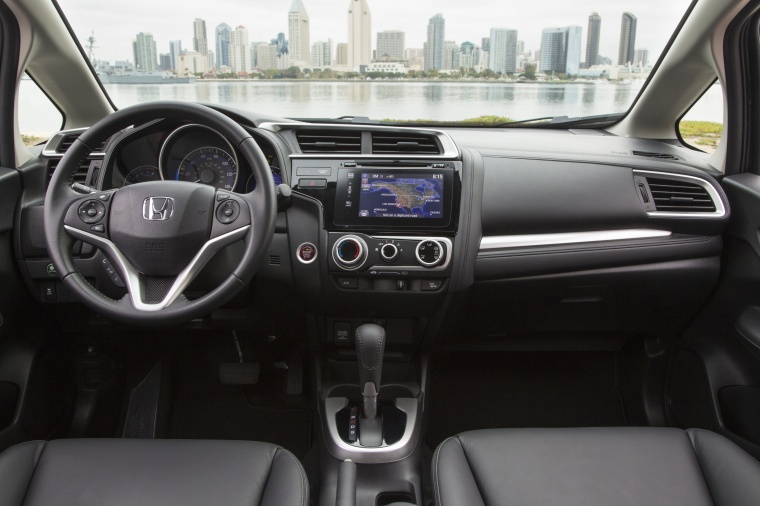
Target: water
point(378, 100)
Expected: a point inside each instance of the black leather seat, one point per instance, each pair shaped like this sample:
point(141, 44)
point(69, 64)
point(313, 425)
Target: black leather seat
point(594, 466)
point(116, 472)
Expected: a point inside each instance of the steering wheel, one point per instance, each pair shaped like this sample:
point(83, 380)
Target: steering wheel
point(159, 235)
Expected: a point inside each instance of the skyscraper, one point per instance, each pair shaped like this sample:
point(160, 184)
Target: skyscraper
point(165, 61)
point(561, 50)
point(359, 34)
point(240, 50)
point(627, 39)
point(341, 54)
point(641, 57)
point(299, 47)
point(223, 45)
point(436, 31)
point(503, 54)
point(390, 44)
point(144, 49)
point(321, 53)
point(450, 55)
point(200, 41)
point(592, 39)
point(175, 48)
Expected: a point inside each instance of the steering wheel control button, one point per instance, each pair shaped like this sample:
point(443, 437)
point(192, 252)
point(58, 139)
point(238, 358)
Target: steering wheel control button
point(92, 211)
point(306, 253)
point(350, 252)
point(228, 211)
point(389, 252)
point(98, 228)
point(222, 196)
point(103, 197)
point(348, 283)
point(431, 285)
point(430, 253)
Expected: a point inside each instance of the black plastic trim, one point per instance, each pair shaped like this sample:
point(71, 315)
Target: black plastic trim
point(9, 54)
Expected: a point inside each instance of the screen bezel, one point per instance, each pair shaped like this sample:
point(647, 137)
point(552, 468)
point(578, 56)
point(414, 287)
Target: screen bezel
point(345, 216)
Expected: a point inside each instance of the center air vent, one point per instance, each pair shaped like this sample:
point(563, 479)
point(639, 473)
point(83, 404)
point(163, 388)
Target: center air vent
point(660, 156)
point(679, 196)
point(404, 143)
point(330, 141)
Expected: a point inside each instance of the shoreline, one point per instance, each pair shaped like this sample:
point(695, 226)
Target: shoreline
point(386, 81)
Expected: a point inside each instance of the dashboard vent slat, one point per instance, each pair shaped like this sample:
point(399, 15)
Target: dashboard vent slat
point(67, 141)
point(404, 143)
point(330, 141)
point(680, 196)
point(660, 156)
point(79, 177)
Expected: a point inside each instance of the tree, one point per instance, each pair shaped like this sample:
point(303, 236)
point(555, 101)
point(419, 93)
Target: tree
point(530, 72)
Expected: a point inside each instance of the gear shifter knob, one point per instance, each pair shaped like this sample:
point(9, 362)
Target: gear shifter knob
point(370, 345)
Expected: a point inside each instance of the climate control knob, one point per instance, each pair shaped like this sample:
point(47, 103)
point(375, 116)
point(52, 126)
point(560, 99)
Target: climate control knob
point(389, 252)
point(430, 253)
point(350, 252)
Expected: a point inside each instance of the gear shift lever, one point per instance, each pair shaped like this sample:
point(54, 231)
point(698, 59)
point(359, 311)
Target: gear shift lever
point(370, 345)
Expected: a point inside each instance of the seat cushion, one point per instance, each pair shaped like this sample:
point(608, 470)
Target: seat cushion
point(118, 472)
point(594, 466)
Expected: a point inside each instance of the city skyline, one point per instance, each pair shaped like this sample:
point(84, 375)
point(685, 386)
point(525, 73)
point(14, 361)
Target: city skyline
point(462, 25)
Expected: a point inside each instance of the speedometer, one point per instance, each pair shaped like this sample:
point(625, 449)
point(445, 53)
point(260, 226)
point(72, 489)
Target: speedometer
point(212, 166)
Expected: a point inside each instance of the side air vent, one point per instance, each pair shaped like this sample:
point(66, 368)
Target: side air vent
point(330, 141)
point(677, 196)
point(79, 177)
point(68, 140)
point(274, 259)
point(404, 143)
point(660, 156)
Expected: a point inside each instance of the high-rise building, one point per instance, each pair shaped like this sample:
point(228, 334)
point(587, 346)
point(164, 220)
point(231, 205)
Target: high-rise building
point(503, 53)
point(341, 54)
point(391, 44)
point(200, 41)
point(359, 34)
point(436, 31)
point(561, 50)
point(641, 57)
point(240, 50)
point(627, 38)
point(321, 53)
point(520, 46)
point(192, 62)
point(266, 56)
point(144, 49)
point(450, 55)
point(485, 43)
point(175, 48)
point(165, 61)
point(592, 39)
point(467, 55)
point(223, 45)
point(299, 45)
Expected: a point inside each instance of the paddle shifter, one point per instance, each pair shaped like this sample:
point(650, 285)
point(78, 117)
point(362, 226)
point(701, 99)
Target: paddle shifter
point(370, 344)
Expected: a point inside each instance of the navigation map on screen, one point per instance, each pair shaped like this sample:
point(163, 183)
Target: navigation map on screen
point(391, 196)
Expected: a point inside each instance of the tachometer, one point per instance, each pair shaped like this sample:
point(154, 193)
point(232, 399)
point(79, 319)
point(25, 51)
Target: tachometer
point(142, 174)
point(276, 175)
point(212, 166)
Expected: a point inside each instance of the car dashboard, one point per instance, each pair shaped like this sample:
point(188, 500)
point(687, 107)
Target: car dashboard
point(474, 235)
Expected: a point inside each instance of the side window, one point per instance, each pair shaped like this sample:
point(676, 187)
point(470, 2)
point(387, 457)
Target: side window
point(38, 118)
point(702, 126)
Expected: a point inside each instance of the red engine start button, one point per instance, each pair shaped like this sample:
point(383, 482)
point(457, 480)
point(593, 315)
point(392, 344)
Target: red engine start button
point(306, 253)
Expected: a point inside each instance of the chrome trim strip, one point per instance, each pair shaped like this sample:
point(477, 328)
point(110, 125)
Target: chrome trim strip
point(378, 454)
point(720, 209)
point(528, 240)
point(450, 150)
point(133, 278)
point(49, 150)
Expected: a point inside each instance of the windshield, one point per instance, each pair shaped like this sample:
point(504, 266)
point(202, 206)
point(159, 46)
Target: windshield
point(483, 61)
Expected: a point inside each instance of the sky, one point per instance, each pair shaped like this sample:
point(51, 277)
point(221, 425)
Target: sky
point(116, 22)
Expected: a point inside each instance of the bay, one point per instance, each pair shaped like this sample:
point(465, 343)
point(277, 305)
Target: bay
point(397, 100)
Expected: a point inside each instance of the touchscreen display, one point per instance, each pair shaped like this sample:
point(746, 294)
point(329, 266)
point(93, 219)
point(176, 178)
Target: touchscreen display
point(395, 196)
point(385, 197)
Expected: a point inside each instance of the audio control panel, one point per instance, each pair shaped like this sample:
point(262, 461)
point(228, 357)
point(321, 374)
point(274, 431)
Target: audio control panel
point(389, 256)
